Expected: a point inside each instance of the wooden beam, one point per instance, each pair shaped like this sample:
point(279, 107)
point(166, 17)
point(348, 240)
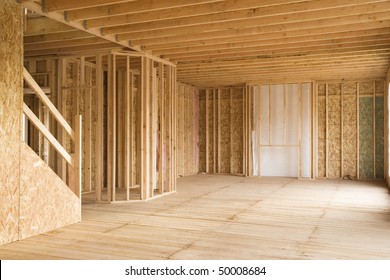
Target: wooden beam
point(278, 42)
point(130, 8)
point(352, 15)
point(55, 37)
point(61, 5)
point(307, 35)
point(183, 12)
point(318, 7)
point(37, 8)
point(63, 44)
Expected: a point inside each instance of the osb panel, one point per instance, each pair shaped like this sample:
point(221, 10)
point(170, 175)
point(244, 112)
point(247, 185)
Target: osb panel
point(334, 127)
point(46, 203)
point(321, 136)
point(11, 96)
point(349, 144)
point(334, 89)
point(225, 131)
point(366, 138)
point(237, 130)
point(321, 89)
point(349, 88)
point(202, 131)
point(366, 88)
point(94, 116)
point(379, 87)
point(189, 131)
point(379, 138)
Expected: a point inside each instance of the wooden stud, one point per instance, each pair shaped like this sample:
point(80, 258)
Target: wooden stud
point(174, 140)
point(127, 130)
point(342, 133)
point(111, 124)
point(131, 127)
point(299, 130)
point(214, 132)
point(154, 96)
point(231, 131)
point(87, 75)
point(99, 127)
point(161, 99)
point(244, 125)
point(207, 132)
point(119, 132)
point(284, 114)
point(258, 113)
point(78, 168)
point(327, 130)
point(218, 92)
point(358, 129)
point(40, 137)
point(374, 128)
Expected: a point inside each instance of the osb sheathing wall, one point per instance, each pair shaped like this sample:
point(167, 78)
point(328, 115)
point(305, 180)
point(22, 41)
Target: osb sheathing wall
point(221, 131)
point(350, 126)
point(11, 55)
point(46, 202)
point(187, 137)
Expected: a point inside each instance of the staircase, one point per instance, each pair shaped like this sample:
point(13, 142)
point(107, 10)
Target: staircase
point(48, 201)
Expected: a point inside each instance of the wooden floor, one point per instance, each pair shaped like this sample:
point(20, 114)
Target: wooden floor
point(226, 217)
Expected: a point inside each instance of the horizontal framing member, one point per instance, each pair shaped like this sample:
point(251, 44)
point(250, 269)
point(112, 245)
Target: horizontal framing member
point(350, 42)
point(292, 9)
point(269, 53)
point(183, 12)
point(265, 32)
point(332, 18)
point(275, 38)
point(130, 7)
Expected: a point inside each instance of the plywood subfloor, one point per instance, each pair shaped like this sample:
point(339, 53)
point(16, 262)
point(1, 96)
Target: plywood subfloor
point(226, 217)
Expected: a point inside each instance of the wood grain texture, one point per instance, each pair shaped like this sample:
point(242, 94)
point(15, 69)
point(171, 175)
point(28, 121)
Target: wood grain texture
point(46, 202)
point(11, 98)
point(229, 217)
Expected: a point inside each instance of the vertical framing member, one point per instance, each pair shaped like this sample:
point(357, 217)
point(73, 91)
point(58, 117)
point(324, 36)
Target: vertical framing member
point(358, 129)
point(127, 129)
point(162, 130)
point(327, 130)
point(219, 130)
point(99, 127)
point(258, 113)
point(207, 132)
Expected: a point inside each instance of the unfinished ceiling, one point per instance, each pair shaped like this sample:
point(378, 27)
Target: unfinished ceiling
point(227, 42)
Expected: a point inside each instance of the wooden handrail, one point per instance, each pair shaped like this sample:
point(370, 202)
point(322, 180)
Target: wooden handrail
point(46, 133)
point(46, 101)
